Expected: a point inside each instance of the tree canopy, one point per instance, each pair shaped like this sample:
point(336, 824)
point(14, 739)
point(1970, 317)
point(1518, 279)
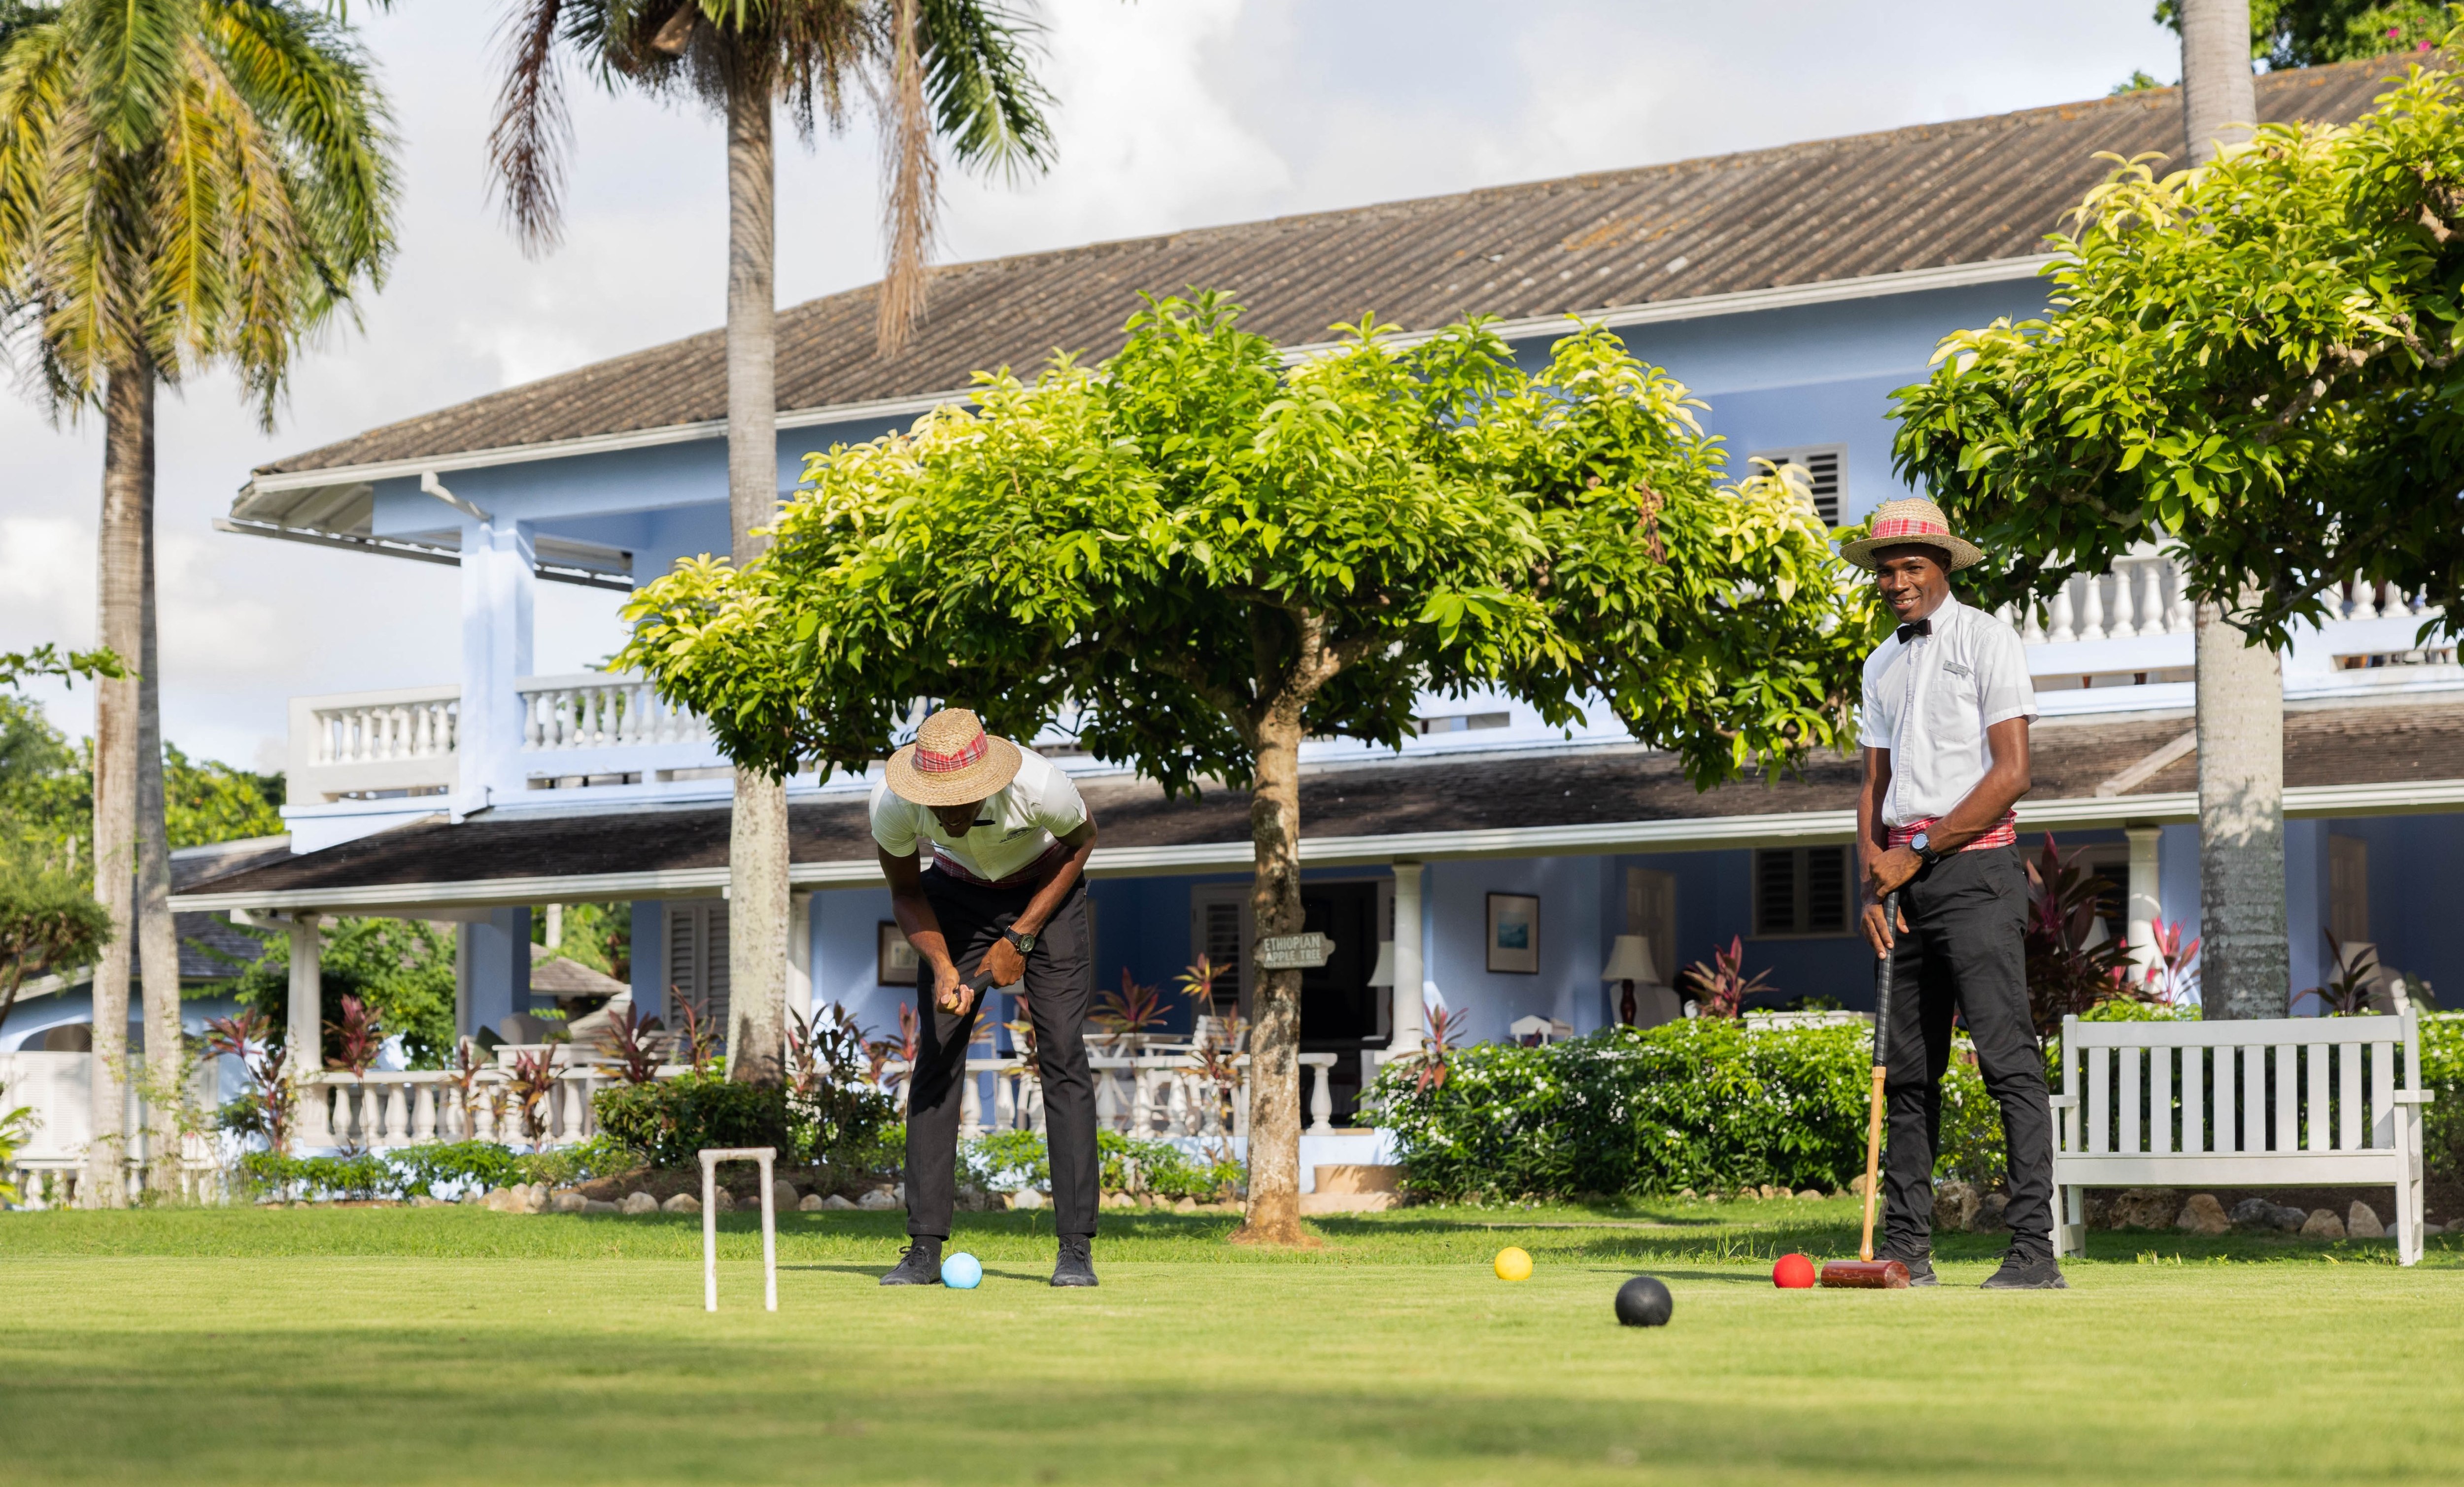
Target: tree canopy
point(2309, 32)
point(2252, 360)
point(1150, 546)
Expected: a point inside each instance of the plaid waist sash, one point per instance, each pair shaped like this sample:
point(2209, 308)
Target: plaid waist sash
point(2005, 832)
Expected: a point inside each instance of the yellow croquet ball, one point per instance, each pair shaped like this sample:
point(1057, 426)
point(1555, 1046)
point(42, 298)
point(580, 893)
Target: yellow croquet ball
point(1513, 1264)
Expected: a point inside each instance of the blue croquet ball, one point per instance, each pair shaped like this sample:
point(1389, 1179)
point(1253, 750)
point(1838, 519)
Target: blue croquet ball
point(962, 1272)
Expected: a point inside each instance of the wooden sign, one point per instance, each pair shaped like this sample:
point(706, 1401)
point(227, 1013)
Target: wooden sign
point(1294, 952)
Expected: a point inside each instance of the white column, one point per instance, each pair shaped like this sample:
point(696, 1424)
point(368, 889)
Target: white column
point(1408, 971)
point(304, 1033)
point(2143, 906)
point(496, 587)
point(800, 959)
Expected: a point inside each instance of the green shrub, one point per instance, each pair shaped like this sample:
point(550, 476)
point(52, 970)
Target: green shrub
point(2442, 1070)
point(418, 1171)
point(849, 1126)
point(1009, 1161)
point(670, 1121)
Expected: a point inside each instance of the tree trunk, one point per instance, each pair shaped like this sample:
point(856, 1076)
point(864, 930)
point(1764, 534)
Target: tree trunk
point(158, 945)
point(127, 443)
point(2244, 971)
point(1274, 1214)
point(2218, 99)
point(2243, 967)
point(756, 874)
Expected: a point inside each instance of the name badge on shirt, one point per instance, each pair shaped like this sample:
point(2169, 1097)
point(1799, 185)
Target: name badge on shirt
point(1957, 670)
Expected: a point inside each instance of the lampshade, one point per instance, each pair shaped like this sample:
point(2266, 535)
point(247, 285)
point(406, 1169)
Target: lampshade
point(1384, 974)
point(1630, 960)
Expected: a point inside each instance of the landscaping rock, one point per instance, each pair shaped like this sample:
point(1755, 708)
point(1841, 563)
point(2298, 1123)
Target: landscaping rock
point(1954, 1204)
point(2202, 1214)
point(1989, 1220)
point(2362, 1222)
point(568, 1201)
point(1811, 1195)
point(597, 1206)
point(811, 1202)
point(2146, 1208)
point(681, 1203)
point(2323, 1223)
point(638, 1204)
point(2430, 1231)
point(981, 1200)
point(1119, 1200)
point(878, 1200)
point(2097, 1211)
point(1029, 1198)
point(1185, 1205)
point(782, 1195)
point(2253, 1216)
point(834, 1200)
point(2290, 1219)
point(423, 1201)
point(1857, 1185)
point(723, 1202)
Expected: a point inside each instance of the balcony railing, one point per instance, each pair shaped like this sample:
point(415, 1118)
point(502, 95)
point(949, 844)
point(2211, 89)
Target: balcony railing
point(2143, 596)
point(360, 746)
point(601, 710)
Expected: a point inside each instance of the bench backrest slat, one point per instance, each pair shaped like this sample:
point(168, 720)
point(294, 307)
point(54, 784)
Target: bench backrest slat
point(2288, 1110)
point(2194, 1105)
point(2348, 1096)
point(2383, 1096)
point(2160, 1098)
point(2100, 1098)
point(2131, 1059)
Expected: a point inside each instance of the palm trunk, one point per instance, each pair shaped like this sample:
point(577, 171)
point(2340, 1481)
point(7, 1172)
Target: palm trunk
point(757, 911)
point(158, 946)
point(2244, 969)
point(128, 421)
point(1274, 1212)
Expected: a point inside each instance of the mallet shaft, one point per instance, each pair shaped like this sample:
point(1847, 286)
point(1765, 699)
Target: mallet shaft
point(1881, 1064)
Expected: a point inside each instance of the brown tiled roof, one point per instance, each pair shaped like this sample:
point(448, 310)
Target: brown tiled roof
point(2381, 744)
point(1932, 196)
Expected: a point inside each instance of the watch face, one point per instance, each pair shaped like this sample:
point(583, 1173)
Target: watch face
point(1922, 842)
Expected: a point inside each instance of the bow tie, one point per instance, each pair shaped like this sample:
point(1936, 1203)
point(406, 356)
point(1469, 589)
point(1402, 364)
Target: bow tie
point(1922, 626)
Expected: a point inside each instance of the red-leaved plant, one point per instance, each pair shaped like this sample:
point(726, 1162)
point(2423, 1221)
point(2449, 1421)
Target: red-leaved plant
point(1721, 988)
point(248, 1038)
point(699, 1040)
point(635, 1043)
point(358, 1039)
point(1444, 1035)
point(2172, 978)
point(1131, 1011)
point(534, 1084)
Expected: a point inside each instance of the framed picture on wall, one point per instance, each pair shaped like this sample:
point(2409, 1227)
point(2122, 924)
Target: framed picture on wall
point(895, 959)
point(1514, 933)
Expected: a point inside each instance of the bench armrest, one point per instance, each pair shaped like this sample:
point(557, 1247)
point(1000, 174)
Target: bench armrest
point(2415, 1097)
point(2063, 1101)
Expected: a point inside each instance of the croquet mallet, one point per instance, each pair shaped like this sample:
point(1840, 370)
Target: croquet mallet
point(1866, 1273)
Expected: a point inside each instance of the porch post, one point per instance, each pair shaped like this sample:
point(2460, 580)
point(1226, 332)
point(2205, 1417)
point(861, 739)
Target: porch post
point(496, 588)
point(304, 1032)
point(650, 958)
point(498, 952)
point(1408, 970)
point(800, 960)
point(2145, 903)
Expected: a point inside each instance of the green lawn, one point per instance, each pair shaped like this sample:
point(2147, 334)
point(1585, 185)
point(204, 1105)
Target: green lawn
point(383, 1345)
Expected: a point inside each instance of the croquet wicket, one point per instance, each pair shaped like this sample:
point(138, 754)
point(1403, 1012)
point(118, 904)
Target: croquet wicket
point(711, 1158)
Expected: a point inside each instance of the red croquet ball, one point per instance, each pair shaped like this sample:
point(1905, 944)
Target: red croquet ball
point(1792, 1272)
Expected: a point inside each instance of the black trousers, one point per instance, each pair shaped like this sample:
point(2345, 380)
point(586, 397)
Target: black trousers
point(1057, 988)
point(1965, 950)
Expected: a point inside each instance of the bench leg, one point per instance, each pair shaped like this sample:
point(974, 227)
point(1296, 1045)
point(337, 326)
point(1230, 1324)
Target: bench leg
point(2408, 1206)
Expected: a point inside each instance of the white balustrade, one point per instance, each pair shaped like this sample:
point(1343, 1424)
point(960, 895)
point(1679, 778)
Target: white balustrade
point(601, 710)
point(379, 732)
point(2145, 595)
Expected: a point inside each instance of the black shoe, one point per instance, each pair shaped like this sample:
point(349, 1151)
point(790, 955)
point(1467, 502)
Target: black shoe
point(920, 1264)
point(2027, 1272)
point(1076, 1266)
point(1920, 1268)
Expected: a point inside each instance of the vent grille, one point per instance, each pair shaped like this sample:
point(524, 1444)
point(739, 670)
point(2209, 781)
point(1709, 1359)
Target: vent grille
point(1826, 465)
point(1801, 891)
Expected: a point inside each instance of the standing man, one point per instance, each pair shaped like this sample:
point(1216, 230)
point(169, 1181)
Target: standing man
point(1947, 705)
point(1004, 894)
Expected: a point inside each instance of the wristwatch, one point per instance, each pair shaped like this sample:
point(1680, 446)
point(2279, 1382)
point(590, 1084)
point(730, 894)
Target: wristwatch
point(1923, 844)
point(1025, 942)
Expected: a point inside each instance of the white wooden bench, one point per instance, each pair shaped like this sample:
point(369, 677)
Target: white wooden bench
point(2280, 1103)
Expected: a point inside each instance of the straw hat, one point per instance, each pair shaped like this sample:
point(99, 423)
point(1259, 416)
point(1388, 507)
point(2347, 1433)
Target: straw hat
point(953, 761)
point(1915, 522)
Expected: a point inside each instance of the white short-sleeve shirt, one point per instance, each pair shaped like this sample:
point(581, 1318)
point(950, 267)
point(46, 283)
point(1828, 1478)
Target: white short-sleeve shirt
point(1929, 699)
point(1015, 825)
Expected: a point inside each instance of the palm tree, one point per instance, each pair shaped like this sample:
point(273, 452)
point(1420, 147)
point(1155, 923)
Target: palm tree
point(2247, 970)
point(948, 72)
point(183, 183)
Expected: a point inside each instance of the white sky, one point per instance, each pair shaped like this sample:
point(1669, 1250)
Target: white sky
point(1175, 113)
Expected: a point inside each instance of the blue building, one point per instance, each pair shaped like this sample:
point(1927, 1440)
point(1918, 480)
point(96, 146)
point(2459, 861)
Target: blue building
point(1792, 289)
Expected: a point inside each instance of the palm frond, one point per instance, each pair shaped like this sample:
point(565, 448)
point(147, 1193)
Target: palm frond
point(910, 194)
point(527, 145)
point(986, 101)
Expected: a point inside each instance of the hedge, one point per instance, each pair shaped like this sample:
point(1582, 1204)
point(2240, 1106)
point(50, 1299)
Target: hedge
point(417, 1171)
point(1008, 1161)
point(1704, 1104)
point(846, 1126)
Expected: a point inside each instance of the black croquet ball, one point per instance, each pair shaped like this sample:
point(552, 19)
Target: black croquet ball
point(1643, 1302)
